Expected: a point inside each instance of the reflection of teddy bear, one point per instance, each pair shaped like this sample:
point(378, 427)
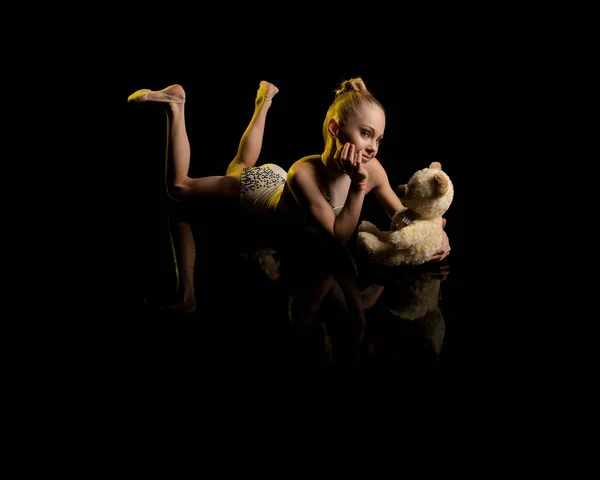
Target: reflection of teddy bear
point(420, 304)
point(408, 304)
point(416, 233)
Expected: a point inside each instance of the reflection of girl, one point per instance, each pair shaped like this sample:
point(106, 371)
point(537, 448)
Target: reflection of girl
point(325, 307)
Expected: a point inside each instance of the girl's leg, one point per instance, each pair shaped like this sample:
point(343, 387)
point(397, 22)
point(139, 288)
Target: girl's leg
point(178, 146)
point(251, 142)
point(180, 185)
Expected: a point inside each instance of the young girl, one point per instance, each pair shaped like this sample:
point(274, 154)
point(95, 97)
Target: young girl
point(322, 193)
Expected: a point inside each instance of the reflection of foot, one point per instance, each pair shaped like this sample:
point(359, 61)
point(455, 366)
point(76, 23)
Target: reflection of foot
point(266, 91)
point(185, 307)
point(172, 94)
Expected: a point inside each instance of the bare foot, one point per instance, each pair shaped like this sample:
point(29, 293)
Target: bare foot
point(266, 91)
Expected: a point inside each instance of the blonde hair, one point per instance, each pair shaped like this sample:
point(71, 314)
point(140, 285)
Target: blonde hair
point(349, 97)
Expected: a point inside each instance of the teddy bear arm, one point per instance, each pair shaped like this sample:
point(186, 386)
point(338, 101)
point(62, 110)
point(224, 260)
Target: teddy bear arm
point(366, 226)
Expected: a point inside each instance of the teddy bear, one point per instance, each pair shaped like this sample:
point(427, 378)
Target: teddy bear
point(415, 233)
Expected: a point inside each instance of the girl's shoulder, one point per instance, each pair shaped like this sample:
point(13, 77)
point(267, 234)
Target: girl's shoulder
point(375, 169)
point(305, 164)
point(374, 164)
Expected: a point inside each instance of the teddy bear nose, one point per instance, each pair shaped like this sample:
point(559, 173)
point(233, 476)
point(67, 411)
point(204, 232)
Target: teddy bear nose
point(401, 190)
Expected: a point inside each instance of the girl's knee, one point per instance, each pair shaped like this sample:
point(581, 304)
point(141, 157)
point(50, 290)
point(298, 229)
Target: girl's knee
point(234, 170)
point(177, 190)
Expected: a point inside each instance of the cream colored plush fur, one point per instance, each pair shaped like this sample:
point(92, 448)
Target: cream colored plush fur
point(418, 233)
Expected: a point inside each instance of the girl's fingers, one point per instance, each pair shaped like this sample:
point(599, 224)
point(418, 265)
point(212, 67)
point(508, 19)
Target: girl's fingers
point(339, 157)
point(345, 151)
point(352, 155)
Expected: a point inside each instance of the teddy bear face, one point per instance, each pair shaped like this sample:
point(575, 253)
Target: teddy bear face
point(429, 192)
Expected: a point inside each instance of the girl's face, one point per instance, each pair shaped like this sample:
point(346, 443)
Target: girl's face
point(364, 130)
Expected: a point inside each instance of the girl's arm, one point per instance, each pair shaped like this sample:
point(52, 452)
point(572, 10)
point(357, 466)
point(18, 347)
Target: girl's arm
point(309, 197)
point(383, 191)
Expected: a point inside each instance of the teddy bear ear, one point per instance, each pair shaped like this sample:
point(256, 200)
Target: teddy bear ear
point(441, 184)
point(437, 165)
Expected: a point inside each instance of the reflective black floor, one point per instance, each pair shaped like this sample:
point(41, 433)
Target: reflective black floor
point(325, 315)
